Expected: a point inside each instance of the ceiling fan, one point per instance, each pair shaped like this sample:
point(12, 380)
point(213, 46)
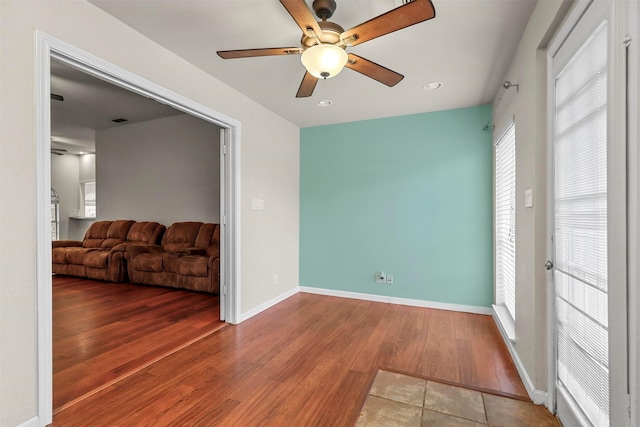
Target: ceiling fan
point(324, 43)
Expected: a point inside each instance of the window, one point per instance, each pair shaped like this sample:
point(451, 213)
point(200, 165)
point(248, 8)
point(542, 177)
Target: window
point(505, 217)
point(88, 192)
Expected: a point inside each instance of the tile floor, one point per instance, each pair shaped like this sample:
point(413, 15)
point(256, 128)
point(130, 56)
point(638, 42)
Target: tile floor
point(401, 400)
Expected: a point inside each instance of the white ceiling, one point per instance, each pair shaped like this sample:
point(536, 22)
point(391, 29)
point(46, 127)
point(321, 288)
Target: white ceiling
point(467, 46)
point(90, 104)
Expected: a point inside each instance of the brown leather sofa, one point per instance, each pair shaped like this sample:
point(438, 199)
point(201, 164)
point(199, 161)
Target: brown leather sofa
point(187, 258)
point(100, 255)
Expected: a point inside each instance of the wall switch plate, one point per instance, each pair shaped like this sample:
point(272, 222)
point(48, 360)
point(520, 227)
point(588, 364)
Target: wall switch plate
point(528, 198)
point(381, 277)
point(275, 279)
point(257, 204)
point(389, 279)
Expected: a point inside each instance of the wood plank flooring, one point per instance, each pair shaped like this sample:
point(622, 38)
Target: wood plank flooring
point(103, 332)
point(308, 361)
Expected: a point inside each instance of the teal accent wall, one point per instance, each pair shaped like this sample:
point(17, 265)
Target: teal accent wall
point(410, 196)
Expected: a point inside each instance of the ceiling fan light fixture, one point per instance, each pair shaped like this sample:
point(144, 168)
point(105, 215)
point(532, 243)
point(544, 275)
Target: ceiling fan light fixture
point(324, 61)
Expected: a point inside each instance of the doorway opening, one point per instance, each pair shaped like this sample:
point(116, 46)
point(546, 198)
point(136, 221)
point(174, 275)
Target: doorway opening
point(48, 48)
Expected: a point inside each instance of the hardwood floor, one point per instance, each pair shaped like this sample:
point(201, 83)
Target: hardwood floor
point(103, 332)
point(308, 361)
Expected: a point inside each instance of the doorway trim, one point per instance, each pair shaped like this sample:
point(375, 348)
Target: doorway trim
point(230, 274)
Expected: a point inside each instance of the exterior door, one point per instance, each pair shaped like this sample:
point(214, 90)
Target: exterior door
point(587, 272)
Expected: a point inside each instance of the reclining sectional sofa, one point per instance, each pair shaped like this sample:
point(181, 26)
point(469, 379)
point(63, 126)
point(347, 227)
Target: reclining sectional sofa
point(188, 258)
point(186, 255)
point(100, 255)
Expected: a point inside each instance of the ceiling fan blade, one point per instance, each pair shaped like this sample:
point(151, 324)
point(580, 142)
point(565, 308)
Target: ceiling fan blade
point(401, 17)
point(307, 86)
point(373, 70)
point(250, 53)
point(300, 13)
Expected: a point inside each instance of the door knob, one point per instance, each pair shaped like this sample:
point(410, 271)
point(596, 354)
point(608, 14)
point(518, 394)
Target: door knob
point(548, 265)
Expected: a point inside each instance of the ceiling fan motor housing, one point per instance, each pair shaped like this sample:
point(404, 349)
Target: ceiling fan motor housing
point(330, 34)
point(324, 8)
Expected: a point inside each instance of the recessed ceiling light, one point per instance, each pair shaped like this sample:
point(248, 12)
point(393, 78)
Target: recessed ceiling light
point(324, 103)
point(120, 120)
point(433, 85)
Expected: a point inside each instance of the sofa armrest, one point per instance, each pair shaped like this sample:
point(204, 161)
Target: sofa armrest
point(213, 251)
point(214, 263)
point(66, 244)
point(122, 247)
point(134, 250)
point(191, 251)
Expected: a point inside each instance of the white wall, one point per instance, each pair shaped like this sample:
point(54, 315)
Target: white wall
point(64, 179)
point(66, 173)
point(165, 170)
point(269, 170)
point(87, 167)
point(529, 106)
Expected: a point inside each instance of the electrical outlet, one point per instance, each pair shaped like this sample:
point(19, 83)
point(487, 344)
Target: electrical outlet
point(389, 279)
point(380, 277)
point(275, 279)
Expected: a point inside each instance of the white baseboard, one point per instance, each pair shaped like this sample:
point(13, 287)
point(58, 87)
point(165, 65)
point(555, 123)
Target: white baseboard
point(539, 397)
point(268, 304)
point(401, 301)
point(33, 422)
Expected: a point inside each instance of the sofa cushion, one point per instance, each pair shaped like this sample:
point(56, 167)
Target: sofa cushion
point(205, 235)
point(65, 243)
point(96, 234)
point(193, 265)
point(148, 262)
point(117, 233)
point(180, 235)
point(169, 261)
point(214, 249)
point(59, 256)
point(209, 239)
point(145, 232)
point(76, 255)
point(97, 259)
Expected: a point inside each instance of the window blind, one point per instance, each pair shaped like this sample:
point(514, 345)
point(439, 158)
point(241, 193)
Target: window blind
point(505, 217)
point(580, 276)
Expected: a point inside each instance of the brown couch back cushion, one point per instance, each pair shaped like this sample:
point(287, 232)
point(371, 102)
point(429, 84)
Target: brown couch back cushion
point(117, 233)
point(180, 235)
point(96, 234)
point(146, 232)
point(209, 239)
point(203, 240)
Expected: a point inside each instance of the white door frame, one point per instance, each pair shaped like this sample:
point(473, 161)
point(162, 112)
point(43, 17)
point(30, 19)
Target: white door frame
point(617, 207)
point(47, 47)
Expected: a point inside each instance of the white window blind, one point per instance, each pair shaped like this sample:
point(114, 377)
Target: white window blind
point(505, 217)
point(580, 276)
